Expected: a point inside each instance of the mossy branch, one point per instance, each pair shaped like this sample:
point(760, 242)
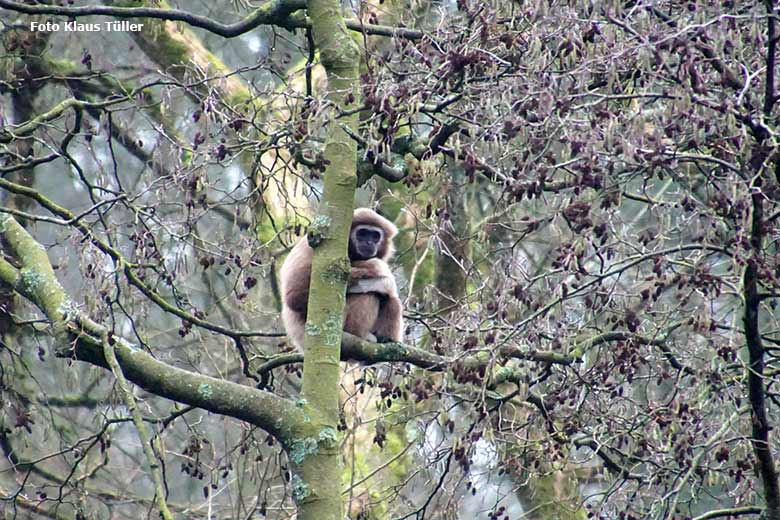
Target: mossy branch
point(35, 280)
point(24, 129)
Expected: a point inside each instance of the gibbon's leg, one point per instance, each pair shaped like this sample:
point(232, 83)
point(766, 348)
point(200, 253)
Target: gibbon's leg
point(360, 314)
point(294, 323)
point(374, 276)
point(390, 321)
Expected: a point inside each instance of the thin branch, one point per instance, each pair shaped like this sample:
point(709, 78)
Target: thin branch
point(609, 462)
point(143, 436)
point(12, 132)
point(132, 277)
point(81, 340)
point(733, 511)
point(379, 165)
point(354, 348)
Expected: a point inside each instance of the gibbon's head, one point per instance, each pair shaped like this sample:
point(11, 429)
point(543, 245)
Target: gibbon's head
point(371, 236)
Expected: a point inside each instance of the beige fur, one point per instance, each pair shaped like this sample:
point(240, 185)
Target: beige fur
point(373, 309)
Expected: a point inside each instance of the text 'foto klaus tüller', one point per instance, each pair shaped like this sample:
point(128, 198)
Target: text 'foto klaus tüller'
point(112, 26)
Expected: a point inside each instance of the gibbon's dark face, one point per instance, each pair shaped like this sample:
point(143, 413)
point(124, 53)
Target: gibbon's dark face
point(365, 242)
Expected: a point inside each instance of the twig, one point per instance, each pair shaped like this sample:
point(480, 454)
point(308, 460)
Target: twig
point(127, 395)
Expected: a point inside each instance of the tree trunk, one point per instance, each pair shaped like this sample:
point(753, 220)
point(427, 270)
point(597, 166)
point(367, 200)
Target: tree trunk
point(317, 464)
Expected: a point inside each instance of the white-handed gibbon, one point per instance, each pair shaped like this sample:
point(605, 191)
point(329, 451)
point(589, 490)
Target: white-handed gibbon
point(373, 310)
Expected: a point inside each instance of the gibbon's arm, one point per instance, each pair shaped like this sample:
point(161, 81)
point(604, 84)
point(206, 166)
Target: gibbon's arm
point(372, 276)
point(295, 275)
point(372, 268)
point(390, 320)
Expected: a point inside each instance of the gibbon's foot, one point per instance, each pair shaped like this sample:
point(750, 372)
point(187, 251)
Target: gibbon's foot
point(384, 339)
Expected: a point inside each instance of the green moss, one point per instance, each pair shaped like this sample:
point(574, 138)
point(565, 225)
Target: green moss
point(60, 66)
point(395, 351)
point(68, 309)
point(321, 223)
point(205, 390)
point(332, 329)
point(166, 49)
point(329, 437)
point(332, 322)
point(303, 405)
point(304, 408)
point(503, 374)
point(264, 230)
point(300, 490)
point(312, 329)
point(31, 280)
point(318, 229)
point(300, 448)
point(337, 274)
point(344, 266)
point(332, 339)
